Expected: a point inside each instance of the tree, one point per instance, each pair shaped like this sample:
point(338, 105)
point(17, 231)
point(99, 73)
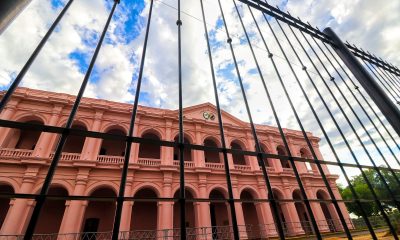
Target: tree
point(364, 192)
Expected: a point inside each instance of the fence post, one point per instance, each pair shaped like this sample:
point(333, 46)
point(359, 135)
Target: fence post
point(373, 89)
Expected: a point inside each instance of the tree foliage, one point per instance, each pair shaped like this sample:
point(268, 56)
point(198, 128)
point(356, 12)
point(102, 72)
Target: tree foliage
point(364, 192)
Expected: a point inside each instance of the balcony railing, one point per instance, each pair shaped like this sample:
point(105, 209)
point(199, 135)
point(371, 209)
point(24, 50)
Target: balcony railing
point(68, 156)
point(149, 162)
point(243, 167)
point(110, 159)
point(188, 164)
point(11, 152)
point(215, 165)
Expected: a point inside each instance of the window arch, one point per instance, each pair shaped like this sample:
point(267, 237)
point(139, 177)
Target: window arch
point(282, 152)
point(187, 153)
point(74, 144)
point(144, 213)
point(305, 154)
point(113, 147)
point(150, 150)
point(23, 138)
point(211, 156)
point(5, 202)
point(238, 158)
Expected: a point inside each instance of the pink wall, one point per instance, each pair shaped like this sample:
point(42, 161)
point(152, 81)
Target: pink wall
point(82, 171)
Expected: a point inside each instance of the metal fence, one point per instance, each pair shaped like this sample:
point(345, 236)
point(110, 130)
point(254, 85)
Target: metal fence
point(357, 92)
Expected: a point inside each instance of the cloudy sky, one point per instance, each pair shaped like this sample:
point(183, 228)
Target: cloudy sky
point(372, 25)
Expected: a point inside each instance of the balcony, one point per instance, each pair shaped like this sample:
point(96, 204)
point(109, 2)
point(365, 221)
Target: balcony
point(8, 153)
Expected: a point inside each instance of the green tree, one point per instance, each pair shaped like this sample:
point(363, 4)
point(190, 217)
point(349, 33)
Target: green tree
point(364, 192)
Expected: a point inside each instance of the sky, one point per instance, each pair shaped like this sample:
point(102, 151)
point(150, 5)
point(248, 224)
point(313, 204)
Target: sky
point(61, 65)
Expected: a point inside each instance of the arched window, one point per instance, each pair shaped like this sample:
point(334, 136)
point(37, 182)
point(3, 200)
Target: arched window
point(211, 156)
point(305, 154)
point(113, 147)
point(23, 138)
point(149, 150)
point(282, 152)
point(238, 158)
point(187, 153)
point(74, 144)
point(328, 209)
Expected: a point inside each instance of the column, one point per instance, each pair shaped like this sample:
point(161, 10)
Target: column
point(276, 163)
point(166, 219)
point(44, 144)
point(73, 218)
point(18, 216)
point(320, 157)
point(301, 166)
point(252, 160)
point(198, 154)
point(290, 212)
point(7, 114)
point(265, 209)
point(230, 157)
point(91, 146)
point(239, 210)
point(134, 155)
point(167, 153)
point(127, 206)
point(204, 213)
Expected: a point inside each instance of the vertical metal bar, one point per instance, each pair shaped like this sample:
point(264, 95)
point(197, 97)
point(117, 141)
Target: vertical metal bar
point(121, 193)
point(222, 133)
point(52, 168)
point(182, 200)
point(297, 175)
point(364, 98)
point(377, 201)
point(381, 81)
point(369, 118)
point(32, 58)
point(358, 119)
point(371, 87)
point(315, 158)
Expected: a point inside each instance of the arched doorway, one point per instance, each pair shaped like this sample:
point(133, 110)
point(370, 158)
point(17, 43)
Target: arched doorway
point(211, 156)
point(219, 215)
point(282, 152)
point(238, 158)
point(282, 214)
point(301, 212)
point(327, 209)
point(5, 202)
point(52, 212)
point(187, 153)
point(144, 215)
point(149, 150)
point(99, 215)
point(251, 216)
point(23, 138)
point(113, 147)
point(74, 144)
point(189, 213)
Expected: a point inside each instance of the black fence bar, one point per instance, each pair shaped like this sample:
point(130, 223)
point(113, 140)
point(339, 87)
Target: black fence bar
point(373, 89)
point(221, 132)
point(40, 200)
point(121, 194)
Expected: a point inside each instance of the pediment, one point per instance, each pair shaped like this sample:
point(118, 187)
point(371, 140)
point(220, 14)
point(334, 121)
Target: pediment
point(208, 112)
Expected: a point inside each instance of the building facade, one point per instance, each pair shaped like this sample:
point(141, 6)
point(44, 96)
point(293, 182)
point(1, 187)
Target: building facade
point(92, 167)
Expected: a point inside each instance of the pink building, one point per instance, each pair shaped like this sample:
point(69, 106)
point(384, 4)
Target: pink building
point(92, 167)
